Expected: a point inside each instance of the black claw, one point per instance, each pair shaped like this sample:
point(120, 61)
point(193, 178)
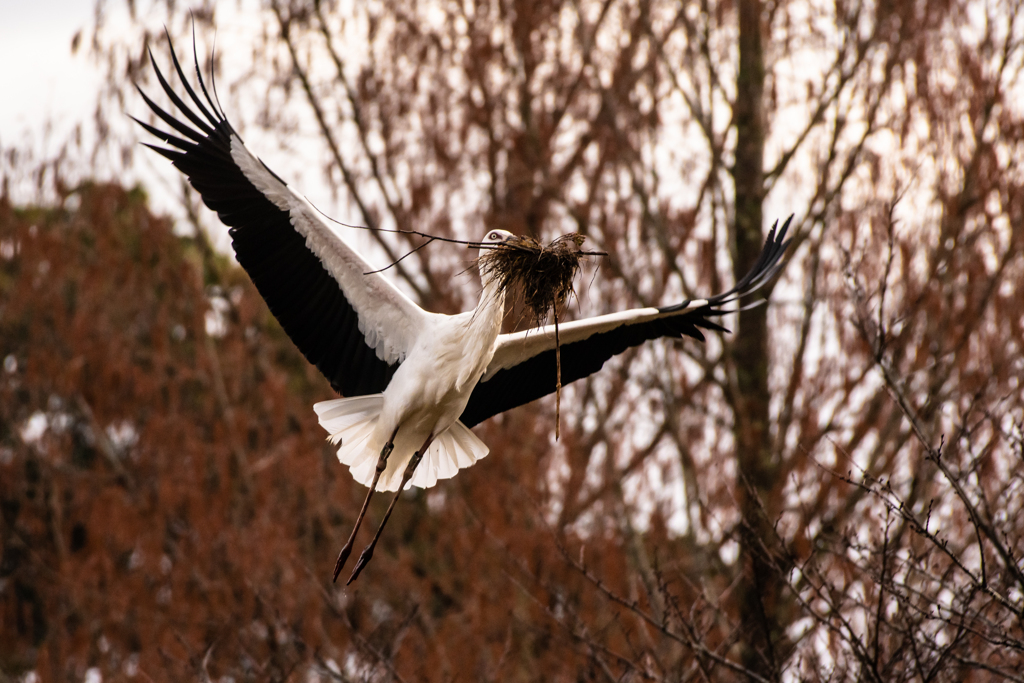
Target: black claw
point(342, 558)
point(364, 559)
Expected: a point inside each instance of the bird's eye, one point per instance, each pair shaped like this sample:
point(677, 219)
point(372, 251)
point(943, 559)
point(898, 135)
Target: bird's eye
point(494, 236)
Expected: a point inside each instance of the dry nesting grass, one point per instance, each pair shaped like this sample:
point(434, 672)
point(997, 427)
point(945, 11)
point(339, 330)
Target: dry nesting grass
point(543, 276)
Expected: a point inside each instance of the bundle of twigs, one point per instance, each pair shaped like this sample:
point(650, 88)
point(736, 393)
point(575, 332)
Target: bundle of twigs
point(543, 276)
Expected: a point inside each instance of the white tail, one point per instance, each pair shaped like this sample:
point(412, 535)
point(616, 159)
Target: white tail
point(351, 423)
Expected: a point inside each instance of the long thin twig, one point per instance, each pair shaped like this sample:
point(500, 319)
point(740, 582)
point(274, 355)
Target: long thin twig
point(543, 275)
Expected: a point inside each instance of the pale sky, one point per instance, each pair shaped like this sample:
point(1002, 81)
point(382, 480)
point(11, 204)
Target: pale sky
point(39, 78)
point(45, 91)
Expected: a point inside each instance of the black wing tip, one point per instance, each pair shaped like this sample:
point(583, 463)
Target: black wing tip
point(172, 154)
point(782, 233)
point(207, 122)
point(767, 266)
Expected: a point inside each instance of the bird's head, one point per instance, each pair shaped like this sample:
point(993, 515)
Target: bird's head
point(496, 237)
point(492, 239)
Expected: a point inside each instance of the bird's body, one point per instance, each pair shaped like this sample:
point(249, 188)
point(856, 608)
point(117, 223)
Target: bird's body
point(424, 398)
point(413, 382)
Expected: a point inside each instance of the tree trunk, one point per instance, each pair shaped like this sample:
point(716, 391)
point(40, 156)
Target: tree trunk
point(758, 465)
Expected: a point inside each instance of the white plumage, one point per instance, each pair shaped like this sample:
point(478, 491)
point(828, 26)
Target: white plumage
point(351, 423)
point(425, 397)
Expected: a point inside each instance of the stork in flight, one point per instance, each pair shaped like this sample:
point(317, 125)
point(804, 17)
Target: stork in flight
point(413, 382)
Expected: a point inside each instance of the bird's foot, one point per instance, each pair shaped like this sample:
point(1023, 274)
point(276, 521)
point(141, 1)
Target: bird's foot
point(367, 554)
point(346, 550)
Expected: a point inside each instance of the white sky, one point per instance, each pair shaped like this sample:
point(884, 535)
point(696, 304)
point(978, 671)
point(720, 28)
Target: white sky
point(40, 79)
point(45, 90)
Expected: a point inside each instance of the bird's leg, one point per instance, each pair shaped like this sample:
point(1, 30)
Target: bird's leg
point(364, 557)
point(382, 464)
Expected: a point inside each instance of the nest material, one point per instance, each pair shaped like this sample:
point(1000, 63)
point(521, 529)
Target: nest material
point(543, 276)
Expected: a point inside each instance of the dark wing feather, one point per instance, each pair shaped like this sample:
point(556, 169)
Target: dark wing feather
point(300, 292)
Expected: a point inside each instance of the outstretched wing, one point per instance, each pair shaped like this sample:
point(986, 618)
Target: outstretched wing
point(355, 327)
point(523, 367)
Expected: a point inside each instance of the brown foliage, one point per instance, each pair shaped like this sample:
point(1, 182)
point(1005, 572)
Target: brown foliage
point(131, 520)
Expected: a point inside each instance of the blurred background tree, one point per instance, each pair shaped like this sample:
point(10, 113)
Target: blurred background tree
point(834, 491)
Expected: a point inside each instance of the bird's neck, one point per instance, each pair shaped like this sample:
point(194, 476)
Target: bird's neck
point(473, 342)
point(485, 321)
point(492, 300)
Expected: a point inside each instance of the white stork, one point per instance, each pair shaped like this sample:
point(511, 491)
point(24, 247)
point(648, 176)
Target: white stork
point(413, 382)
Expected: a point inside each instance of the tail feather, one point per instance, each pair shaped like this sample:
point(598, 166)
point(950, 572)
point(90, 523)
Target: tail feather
point(470, 448)
point(341, 414)
point(452, 450)
point(351, 423)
